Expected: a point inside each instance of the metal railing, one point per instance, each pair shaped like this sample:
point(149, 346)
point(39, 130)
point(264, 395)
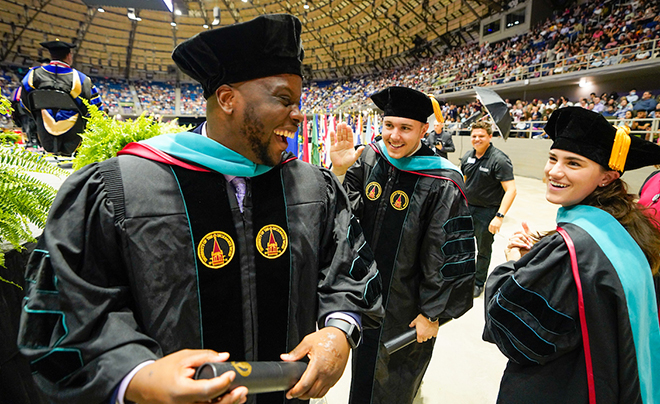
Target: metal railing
point(534, 129)
point(589, 61)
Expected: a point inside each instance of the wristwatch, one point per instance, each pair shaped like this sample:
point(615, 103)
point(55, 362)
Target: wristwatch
point(500, 215)
point(353, 333)
point(432, 319)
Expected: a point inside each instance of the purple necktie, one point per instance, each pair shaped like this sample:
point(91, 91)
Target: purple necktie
point(239, 187)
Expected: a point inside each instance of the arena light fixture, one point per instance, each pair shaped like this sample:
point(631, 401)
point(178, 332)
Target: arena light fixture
point(131, 15)
point(584, 83)
point(156, 5)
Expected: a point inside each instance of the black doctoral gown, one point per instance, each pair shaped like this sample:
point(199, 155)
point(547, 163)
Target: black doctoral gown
point(140, 259)
point(532, 315)
point(420, 230)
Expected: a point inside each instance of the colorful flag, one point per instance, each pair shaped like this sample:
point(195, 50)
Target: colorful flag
point(358, 130)
point(327, 127)
point(376, 127)
point(370, 130)
point(305, 142)
point(315, 142)
point(293, 143)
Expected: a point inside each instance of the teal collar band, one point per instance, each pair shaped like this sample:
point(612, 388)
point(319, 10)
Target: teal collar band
point(417, 163)
point(637, 282)
point(207, 153)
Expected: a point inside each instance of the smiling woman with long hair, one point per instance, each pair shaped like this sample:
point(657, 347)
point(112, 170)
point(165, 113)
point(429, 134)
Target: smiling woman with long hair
point(575, 309)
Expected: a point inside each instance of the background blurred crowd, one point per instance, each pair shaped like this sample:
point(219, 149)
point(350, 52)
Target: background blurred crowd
point(590, 35)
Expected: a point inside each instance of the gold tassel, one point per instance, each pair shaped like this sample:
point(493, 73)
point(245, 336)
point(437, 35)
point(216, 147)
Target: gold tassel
point(437, 111)
point(620, 148)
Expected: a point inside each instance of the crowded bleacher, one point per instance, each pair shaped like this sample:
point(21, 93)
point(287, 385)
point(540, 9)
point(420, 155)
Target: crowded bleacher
point(588, 36)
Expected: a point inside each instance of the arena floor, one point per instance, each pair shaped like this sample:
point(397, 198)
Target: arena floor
point(465, 369)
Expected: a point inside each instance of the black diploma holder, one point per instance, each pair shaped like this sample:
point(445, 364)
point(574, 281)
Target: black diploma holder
point(258, 377)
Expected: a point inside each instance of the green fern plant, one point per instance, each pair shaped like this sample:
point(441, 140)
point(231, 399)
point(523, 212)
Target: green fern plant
point(9, 137)
point(24, 198)
point(104, 137)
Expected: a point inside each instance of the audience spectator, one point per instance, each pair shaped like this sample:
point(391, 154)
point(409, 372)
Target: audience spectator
point(609, 112)
point(623, 107)
point(594, 33)
point(116, 95)
point(192, 100)
point(639, 124)
point(646, 103)
point(627, 119)
point(632, 96)
point(599, 106)
point(156, 97)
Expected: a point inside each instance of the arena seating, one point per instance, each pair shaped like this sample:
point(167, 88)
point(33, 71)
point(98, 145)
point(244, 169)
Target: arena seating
point(589, 36)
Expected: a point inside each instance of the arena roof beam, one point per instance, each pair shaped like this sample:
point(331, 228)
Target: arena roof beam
point(396, 20)
point(232, 10)
point(129, 49)
point(497, 7)
point(203, 11)
point(323, 41)
point(89, 17)
point(320, 40)
point(42, 5)
point(466, 4)
point(175, 40)
point(379, 20)
point(450, 39)
point(424, 20)
point(357, 40)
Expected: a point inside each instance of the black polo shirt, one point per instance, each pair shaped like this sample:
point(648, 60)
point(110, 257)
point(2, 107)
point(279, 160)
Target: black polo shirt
point(483, 177)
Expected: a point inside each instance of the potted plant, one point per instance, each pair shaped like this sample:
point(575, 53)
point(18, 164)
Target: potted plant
point(25, 199)
point(104, 136)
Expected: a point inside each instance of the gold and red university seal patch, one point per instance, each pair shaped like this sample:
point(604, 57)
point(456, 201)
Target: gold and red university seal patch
point(272, 241)
point(399, 200)
point(216, 249)
point(373, 191)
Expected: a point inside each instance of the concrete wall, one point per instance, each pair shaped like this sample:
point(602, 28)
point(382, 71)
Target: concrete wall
point(506, 32)
point(530, 155)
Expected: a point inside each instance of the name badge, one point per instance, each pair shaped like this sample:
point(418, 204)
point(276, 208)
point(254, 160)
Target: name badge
point(484, 169)
point(471, 160)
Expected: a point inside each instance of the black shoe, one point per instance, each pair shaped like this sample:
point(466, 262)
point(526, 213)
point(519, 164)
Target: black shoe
point(478, 290)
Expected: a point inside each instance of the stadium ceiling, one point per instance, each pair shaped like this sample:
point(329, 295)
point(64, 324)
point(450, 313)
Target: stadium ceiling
point(341, 37)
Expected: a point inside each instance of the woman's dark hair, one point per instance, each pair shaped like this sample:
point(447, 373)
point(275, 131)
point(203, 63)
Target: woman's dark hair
point(615, 200)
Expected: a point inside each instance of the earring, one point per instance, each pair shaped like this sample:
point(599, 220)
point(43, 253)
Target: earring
point(602, 185)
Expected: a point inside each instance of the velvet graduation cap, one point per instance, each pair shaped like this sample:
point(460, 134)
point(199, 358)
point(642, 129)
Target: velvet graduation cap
point(589, 134)
point(57, 45)
point(405, 102)
point(265, 46)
